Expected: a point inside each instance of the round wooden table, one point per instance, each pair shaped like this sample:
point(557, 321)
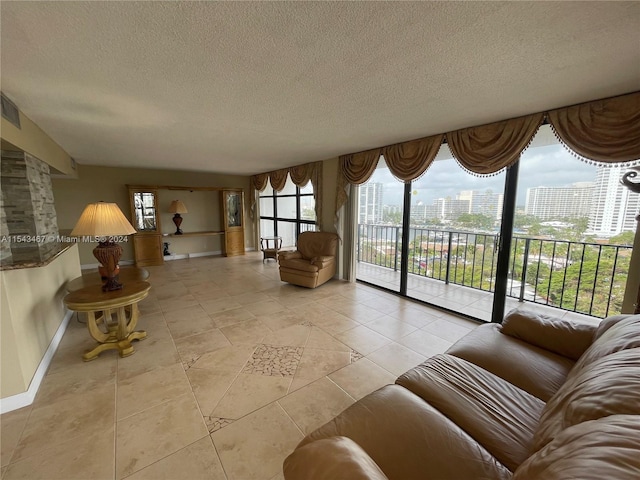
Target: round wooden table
point(126, 275)
point(111, 316)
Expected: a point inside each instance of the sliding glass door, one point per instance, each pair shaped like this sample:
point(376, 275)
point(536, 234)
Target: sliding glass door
point(551, 233)
point(379, 232)
point(455, 221)
point(573, 232)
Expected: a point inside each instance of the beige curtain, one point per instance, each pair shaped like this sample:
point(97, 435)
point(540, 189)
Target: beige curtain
point(278, 179)
point(302, 174)
point(354, 169)
point(489, 148)
point(603, 131)
point(257, 183)
point(409, 160)
point(318, 190)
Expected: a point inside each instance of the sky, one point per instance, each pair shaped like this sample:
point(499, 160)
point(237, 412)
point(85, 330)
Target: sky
point(549, 166)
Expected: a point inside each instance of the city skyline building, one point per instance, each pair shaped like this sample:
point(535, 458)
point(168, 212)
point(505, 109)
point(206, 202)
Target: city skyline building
point(614, 206)
point(484, 203)
point(370, 206)
point(609, 207)
point(448, 208)
point(552, 203)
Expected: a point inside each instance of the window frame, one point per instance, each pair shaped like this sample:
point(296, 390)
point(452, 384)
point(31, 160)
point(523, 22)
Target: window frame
point(298, 221)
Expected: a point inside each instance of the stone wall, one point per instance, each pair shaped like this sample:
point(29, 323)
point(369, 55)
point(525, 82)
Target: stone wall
point(5, 247)
point(28, 206)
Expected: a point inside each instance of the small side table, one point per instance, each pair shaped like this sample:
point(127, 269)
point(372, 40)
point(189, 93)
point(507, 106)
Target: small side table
point(270, 247)
point(101, 307)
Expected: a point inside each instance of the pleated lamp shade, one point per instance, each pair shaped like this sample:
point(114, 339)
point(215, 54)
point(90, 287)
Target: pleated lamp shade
point(177, 207)
point(102, 220)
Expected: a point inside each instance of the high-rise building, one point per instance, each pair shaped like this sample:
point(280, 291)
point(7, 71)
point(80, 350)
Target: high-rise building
point(548, 203)
point(485, 203)
point(370, 206)
point(450, 208)
point(421, 214)
point(614, 205)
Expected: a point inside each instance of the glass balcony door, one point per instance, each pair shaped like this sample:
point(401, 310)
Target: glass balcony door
point(573, 233)
point(379, 233)
point(455, 221)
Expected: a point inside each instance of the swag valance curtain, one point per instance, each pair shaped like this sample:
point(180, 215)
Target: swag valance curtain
point(605, 131)
point(600, 131)
point(300, 176)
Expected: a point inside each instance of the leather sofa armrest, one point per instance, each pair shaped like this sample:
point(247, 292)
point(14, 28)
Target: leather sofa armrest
point(568, 338)
point(322, 261)
point(289, 255)
point(331, 458)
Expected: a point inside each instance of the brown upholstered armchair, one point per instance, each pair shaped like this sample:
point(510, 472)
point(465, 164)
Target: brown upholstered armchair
point(313, 263)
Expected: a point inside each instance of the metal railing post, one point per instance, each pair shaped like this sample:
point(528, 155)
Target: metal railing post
point(446, 275)
point(525, 262)
point(395, 251)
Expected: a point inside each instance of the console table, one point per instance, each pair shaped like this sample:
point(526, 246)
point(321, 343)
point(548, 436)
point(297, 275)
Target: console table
point(111, 316)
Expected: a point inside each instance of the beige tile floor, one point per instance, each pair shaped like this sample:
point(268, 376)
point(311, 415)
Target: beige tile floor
point(236, 369)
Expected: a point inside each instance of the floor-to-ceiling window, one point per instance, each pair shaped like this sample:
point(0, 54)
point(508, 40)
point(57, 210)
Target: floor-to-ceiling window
point(379, 233)
point(455, 223)
point(565, 245)
point(573, 231)
point(287, 213)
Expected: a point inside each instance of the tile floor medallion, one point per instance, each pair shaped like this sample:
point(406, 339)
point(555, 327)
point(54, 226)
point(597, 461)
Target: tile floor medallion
point(216, 423)
point(236, 369)
point(355, 356)
point(274, 361)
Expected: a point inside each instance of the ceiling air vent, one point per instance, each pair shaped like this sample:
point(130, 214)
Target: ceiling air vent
point(10, 111)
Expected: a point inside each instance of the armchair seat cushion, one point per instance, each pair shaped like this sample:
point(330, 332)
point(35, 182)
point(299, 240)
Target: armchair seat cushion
point(299, 264)
point(314, 261)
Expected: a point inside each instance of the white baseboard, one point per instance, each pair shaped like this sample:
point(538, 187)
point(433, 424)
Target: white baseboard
point(182, 256)
point(25, 399)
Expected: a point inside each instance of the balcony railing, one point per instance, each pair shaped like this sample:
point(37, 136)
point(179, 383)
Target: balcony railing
point(587, 278)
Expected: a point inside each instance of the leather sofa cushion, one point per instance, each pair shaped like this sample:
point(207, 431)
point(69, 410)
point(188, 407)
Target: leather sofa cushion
point(608, 386)
point(601, 449)
point(299, 264)
point(333, 458)
point(613, 334)
point(530, 368)
point(410, 440)
point(498, 415)
point(564, 337)
point(607, 323)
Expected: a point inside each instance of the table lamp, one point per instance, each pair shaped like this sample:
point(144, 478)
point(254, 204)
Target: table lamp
point(105, 222)
point(177, 207)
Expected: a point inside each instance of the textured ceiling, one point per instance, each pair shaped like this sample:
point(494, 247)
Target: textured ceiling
point(244, 87)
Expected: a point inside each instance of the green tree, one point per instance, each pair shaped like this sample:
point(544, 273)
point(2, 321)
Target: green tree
point(476, 221)
point(521, 221)
point(624, 238)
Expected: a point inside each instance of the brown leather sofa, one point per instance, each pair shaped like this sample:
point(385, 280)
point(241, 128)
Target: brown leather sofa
point(534, 398)
point(313, 263)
